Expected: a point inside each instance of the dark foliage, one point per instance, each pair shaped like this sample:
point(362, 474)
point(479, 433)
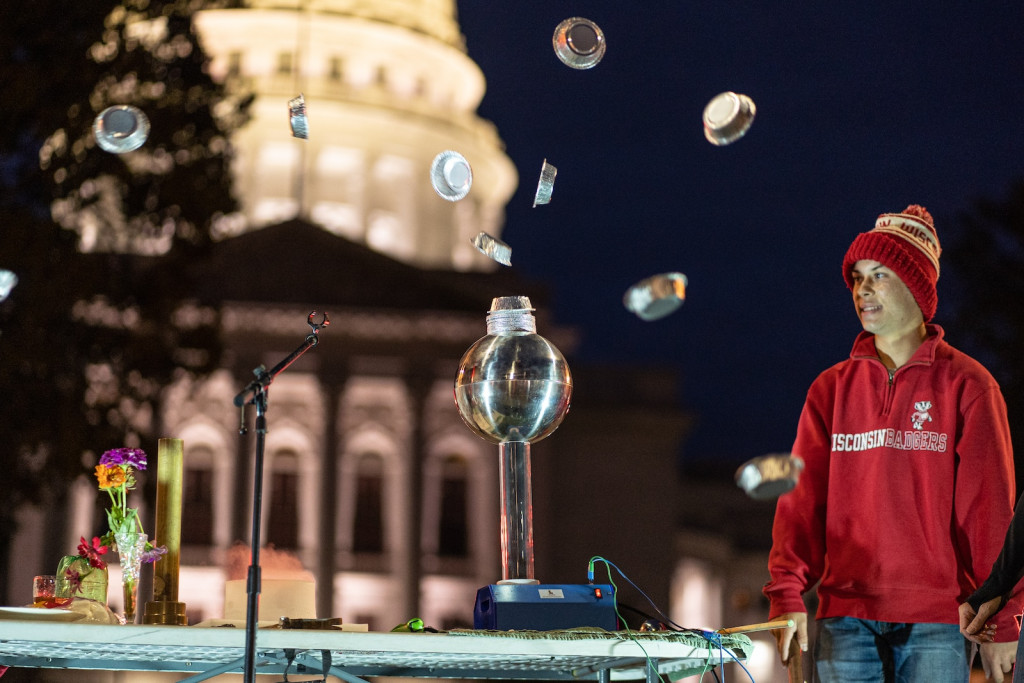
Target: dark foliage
point(99, 322)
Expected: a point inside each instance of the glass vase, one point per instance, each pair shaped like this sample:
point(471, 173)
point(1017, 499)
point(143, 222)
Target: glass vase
point(130, 546)
point(77, 579)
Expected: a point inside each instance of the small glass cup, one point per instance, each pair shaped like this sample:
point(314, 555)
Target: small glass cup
point(43, 589)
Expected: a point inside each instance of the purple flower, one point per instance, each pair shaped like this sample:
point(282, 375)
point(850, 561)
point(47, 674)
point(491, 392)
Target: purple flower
point(152, 554)
point(125, 457)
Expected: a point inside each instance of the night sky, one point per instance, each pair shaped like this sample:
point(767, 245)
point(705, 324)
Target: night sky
point(862, 108)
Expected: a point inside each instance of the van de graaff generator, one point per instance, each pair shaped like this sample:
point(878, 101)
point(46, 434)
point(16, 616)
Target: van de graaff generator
point(513, 389)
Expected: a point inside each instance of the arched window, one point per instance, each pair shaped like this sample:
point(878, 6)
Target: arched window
point(234, 64)
point(278, 163)
point(339, 184)
point(197, 497)
point(335, 70)
point(368, 526)
point(391, 219)
point(453, 533)
point(283, 519)
point(285, 63)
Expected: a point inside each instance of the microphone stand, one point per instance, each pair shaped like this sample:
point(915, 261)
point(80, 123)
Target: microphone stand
point(256, 393)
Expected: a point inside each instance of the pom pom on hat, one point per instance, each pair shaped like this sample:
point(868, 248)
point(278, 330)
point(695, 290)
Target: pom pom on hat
point(908, 245)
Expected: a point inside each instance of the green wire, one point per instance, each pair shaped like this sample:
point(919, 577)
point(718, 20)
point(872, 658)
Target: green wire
point(615, 605)
point(708, 663)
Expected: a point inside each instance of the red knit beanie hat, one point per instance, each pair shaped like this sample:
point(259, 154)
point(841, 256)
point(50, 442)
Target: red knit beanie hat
point(905, 243)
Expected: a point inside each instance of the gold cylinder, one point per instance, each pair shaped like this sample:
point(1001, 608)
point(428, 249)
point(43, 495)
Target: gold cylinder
point(169, 475)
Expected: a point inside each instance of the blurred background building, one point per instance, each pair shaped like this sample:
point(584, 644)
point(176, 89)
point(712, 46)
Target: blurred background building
point(128, 324)
point(371, 480)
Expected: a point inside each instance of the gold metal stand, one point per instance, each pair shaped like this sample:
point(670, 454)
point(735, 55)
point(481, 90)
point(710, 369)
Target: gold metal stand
point(165, 608)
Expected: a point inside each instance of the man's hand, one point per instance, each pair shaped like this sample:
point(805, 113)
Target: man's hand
point(974, 626)
point(997, 660)
point(784, 635)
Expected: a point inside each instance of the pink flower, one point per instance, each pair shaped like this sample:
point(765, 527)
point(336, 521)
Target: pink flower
point(92, 552)
point(74, 579)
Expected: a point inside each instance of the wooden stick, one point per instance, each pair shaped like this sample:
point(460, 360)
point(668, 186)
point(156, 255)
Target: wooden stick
point(795, 665)
point(765, 626)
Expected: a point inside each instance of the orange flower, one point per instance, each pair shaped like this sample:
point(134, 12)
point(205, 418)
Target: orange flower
point(110, 477)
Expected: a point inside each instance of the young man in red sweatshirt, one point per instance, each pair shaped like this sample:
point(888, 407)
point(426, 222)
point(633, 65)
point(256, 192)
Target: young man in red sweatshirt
point(908, 485)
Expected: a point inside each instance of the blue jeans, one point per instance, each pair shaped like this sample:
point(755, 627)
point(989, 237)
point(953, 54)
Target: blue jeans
point(848, 650)
point(1018, 671)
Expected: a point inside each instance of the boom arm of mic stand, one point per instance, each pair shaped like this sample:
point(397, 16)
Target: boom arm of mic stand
point(264, 378)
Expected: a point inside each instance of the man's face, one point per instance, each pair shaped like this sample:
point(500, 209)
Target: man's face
point(884, 304)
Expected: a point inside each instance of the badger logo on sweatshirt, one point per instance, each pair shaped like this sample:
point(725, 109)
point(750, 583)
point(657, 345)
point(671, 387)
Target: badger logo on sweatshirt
point(920, 414)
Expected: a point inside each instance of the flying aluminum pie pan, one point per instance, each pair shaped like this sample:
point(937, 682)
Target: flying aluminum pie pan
point(297, 117)
point(579, 43)
point(656, 296)
point(769, 476)
point(727, 118)
point(545, 184)
point(121, 128)
point(451, 176)
point(493, 248)
point(8, 280)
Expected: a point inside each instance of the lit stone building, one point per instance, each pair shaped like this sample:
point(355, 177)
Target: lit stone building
point(370, 478)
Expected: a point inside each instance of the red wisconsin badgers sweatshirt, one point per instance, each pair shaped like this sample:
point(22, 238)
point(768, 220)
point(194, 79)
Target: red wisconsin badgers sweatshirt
point(907, 491)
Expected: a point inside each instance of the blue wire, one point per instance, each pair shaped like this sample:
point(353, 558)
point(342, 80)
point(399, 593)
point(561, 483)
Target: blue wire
point(590, 576)
point(717, 640)
point(711, 636)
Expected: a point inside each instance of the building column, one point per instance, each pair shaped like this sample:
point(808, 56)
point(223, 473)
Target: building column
point(418, 383)
point(327, 562)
